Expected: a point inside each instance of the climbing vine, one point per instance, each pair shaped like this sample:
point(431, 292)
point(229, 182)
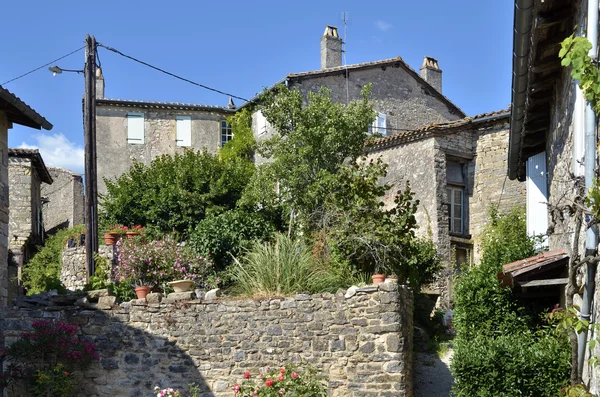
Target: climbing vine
point(574, 52)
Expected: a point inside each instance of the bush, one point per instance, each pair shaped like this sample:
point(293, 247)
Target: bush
point(283, 267)
point(42, 272)
point(287, 380)
point(224, 236)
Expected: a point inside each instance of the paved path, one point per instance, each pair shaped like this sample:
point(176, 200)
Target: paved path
point(432, 375)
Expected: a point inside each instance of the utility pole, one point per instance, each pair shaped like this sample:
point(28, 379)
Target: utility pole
point(89, 124)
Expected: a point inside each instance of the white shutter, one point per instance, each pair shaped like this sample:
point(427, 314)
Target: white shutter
point(184, 131)
point(261, 123)
point(537, 196)
point(135, 128)
point(382, 124)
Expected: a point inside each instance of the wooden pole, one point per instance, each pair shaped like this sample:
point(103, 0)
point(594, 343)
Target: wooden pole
point(87, 132)
point(94, 173)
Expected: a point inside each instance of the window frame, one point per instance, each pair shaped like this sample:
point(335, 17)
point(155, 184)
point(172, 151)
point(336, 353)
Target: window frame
point(450, 190)
point(226, 131)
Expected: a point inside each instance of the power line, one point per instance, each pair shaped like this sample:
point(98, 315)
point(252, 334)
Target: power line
point(43, 66)
point(172, 74)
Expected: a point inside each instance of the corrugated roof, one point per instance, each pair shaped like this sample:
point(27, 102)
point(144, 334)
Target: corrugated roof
point(434, 129)
point(19, 112)
point(162, 105)
point(36, 159)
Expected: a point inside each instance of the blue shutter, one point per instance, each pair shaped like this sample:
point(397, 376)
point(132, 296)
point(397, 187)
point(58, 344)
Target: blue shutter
point(537, 196)
point(135, 128)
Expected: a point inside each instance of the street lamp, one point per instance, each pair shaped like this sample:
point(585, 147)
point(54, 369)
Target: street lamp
point(89, 123)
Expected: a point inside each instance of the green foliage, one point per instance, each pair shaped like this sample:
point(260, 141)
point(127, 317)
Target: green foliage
point(174, 193)
point(574, 52)
point(501, 349)
point(241, 148)
point(223, 236)
point(54, 382)
point(520, 363)
point(290, 380)
point(101, 277)
point(42, 273)
point(283, 267)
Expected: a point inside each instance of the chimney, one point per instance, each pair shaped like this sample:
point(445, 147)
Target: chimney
point(331, 48)
point(230, 103)
point(99, 84)
point(431, 73)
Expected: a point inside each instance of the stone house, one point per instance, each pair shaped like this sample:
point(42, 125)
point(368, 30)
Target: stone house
point(140, 131)
point(63, 200)
point(26, 174)
point(550, 123)
point(12, 111)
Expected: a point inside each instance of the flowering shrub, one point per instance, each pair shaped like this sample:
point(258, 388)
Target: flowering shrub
point(43, 359)
point(158, 262)
point(116, 228)
point(284, 381)
point(168, 392)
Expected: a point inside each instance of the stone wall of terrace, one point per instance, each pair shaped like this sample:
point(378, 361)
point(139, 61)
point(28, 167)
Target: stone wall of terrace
point(360, 340)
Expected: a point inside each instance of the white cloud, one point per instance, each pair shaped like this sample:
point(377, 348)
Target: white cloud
point(58, 151)
point(383, 26)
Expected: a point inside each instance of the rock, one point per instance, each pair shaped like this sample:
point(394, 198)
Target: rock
point(371, 288)
point(199, 293)
point(84, 302)
point(154, 297)
point(351, 292)
point(179, 296)
point(212, 294)
point(107, 302)
point(97, 293)
point(65, 300)
point(390, 285)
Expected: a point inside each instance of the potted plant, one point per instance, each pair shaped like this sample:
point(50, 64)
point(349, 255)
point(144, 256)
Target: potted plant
point(113, 233)
point(135, 263)
point(134, 231)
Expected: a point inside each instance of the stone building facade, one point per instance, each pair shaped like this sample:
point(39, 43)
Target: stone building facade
point(360, 342)
point(457, 170)
point(128, 131)
point(12, 111)
point(26, 174)
point(63, 200)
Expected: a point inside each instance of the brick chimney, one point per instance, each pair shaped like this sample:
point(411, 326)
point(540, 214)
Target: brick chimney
point(431, 73)
point(99, 83)
point(331, 48)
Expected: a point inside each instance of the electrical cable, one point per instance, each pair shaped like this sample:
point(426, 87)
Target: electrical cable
point(43, 66)
point(171, 74)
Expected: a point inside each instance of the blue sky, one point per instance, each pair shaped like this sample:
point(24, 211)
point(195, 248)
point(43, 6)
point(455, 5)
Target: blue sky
point(237, 47)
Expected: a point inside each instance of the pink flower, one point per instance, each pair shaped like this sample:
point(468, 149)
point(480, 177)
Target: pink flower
point(282, 370)
point(269, 382)
point(247, 375)
point(236, 388)
point(280, 378)
point(294, 375)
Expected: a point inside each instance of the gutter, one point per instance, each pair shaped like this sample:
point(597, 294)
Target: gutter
point(521, 50)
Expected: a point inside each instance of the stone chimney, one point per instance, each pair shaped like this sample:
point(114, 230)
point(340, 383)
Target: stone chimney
point(431, 73)
point(331, 48)
point(99, 84)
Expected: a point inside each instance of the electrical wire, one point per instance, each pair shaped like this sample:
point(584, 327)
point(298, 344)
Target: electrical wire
point(171, 74)
point(43, 66)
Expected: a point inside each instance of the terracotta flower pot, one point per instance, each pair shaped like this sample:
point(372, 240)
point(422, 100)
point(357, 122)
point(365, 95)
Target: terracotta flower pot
point(132, 234)
point(111, 238)
point(181, 285)
point(378, 278)
point(141, 292)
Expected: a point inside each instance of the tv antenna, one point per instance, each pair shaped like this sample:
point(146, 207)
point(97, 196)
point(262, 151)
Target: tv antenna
point(345, 18)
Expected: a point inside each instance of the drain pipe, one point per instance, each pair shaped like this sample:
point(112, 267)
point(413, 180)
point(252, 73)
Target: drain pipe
point(591, 235)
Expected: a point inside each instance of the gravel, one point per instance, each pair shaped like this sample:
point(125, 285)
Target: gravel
point(432, 377)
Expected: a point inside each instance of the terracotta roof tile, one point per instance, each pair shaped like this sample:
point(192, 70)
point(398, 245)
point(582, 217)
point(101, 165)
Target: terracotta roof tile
point(526, 265)
point(161, 105)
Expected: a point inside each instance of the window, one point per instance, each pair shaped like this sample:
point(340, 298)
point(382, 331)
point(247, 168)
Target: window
point(184, 131)
point(537, 196)
point(135, 128)
point(226, 134)
point(455, 177)
point(379, 125)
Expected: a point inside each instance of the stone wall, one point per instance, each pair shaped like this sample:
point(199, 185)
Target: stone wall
point(73, 273)
point(65, 207)
point(4, 206)
point(362, 343)
point(117, 154)
point(22, 177)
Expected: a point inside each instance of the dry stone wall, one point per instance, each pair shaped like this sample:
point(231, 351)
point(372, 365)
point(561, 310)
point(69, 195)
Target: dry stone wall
point(360, 341)
point(73, 273)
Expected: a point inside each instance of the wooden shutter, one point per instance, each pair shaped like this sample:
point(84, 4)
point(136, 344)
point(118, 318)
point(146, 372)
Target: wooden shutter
point(537, 196)
point(184, 131)
point(135, 128)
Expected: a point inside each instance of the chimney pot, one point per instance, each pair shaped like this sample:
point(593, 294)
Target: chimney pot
point(431, 73)
point(331, 48)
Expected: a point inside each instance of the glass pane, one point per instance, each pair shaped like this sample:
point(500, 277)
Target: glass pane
point(457, 225)
point(457, 196)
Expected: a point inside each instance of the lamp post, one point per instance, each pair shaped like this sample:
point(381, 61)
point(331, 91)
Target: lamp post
point(89, 131)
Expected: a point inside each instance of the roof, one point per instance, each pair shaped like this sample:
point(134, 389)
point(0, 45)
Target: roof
point(36, 159)
point(539, 28)
point(393, 62)
point(438, 129)
point(19, 112)
point(162, 105)
point(525, 268)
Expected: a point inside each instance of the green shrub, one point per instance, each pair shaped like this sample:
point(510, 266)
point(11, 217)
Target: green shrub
point(219, 237)
point(283, 267)
point(42, 272)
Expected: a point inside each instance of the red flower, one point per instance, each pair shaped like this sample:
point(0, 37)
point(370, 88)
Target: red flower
point(280, 378)
point(247, 375)
point(66, 373)
point(269, 382)
point(282, 370)
point(294, 375)
point(236, 388)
